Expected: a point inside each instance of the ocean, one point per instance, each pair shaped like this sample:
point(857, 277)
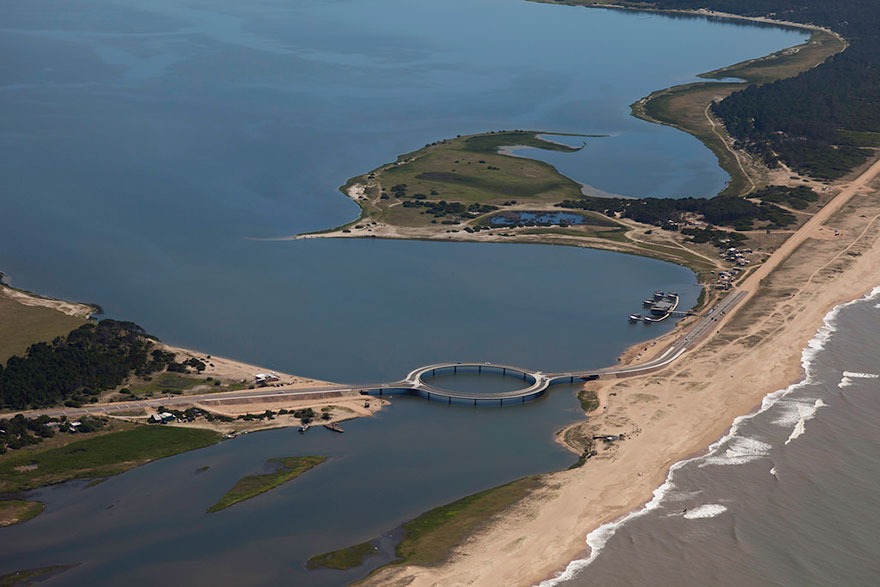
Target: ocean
point(787, 497)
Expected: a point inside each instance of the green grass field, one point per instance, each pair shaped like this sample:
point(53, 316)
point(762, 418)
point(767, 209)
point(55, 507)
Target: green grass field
point(288, 468)
point(468, 170)
point(22, 326)
point(98, 456)
point(173, 382)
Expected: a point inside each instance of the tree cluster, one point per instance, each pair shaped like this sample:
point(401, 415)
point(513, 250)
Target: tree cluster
point(20, 431)
point(799, 197)
point(735, 212)
point(91, 359)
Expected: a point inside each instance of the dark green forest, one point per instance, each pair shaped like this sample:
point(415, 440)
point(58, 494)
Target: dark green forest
point(77, 368)
point(819, 122)
point(668, 213)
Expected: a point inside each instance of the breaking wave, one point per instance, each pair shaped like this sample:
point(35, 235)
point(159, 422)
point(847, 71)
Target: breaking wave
point(709, 510)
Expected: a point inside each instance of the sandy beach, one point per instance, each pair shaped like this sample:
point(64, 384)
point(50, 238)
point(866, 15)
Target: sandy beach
point(672, 414)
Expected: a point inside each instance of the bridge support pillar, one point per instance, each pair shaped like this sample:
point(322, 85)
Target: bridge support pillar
point(455, 369)
point(475, 402)
point(504, 370)
point(479, 368)
point(571, 380)
point(450, 400)
point(501, 402)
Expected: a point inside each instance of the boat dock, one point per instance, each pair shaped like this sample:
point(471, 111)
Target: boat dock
point(334, 427)
point(662, 305)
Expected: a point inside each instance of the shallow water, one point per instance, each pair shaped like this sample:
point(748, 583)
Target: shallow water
point(788, 498)
point(382, 471)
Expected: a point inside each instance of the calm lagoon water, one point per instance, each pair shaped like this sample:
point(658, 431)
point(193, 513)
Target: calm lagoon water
point(142, 144)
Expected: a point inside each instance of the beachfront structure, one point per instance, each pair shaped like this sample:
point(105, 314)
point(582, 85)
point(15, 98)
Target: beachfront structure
point(265, 378)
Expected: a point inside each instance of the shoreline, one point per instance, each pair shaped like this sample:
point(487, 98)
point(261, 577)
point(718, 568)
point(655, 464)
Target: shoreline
point(597, 538)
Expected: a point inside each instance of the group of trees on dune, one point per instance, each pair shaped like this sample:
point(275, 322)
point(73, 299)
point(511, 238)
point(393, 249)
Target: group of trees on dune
point(735, 212)
point(78, 367)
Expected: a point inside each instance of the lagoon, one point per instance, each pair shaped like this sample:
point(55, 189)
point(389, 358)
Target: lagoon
point(145, 143)
point(149, 149)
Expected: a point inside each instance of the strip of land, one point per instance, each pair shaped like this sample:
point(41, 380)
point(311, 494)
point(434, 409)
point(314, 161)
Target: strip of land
point(286, 469)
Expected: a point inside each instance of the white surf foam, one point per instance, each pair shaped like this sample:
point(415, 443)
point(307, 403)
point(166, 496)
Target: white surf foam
point(597, 539)
point(801, 425)
point(848, 377)
point(709, 510)
point(740, 450)
point(805, 411)
point(790, 411)
point(853, 375)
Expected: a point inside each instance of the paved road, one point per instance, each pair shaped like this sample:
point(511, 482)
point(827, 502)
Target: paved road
point(415, 380)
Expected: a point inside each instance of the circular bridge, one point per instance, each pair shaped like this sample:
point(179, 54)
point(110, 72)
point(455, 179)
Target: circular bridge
point(534, 383)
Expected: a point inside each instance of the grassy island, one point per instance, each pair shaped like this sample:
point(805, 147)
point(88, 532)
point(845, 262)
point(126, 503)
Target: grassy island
point(287, 469)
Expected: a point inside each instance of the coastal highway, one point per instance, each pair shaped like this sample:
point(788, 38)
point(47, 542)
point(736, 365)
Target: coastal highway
point(414, 382)
point(703, 326)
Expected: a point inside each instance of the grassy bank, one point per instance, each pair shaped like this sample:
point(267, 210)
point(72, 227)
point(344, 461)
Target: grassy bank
point(589, 400)
point(22, 326)
point(16, 511)
point(288, 468)
point(97, 457)
point(342, 559)
point(430, 538)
